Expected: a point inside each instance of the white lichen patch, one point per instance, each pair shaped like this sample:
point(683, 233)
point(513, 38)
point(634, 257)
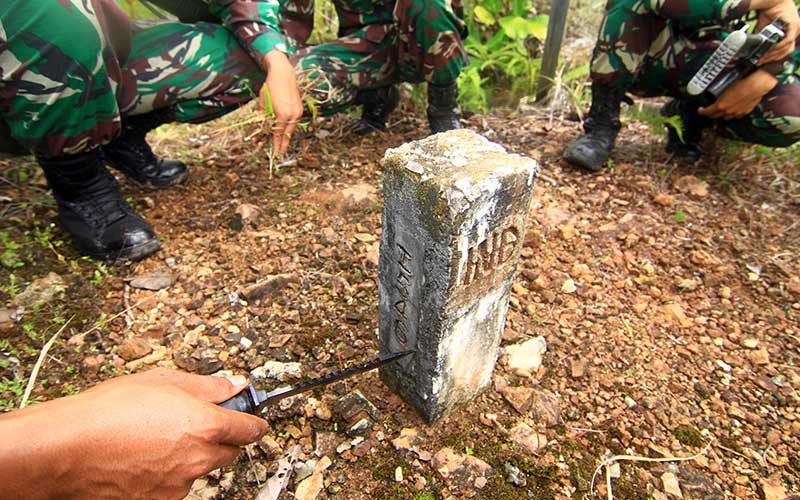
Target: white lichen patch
point(466, 358)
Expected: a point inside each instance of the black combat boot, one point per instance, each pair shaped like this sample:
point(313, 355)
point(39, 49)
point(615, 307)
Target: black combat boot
point(443, 111)
point(591, 150)
point(92, 211)
point(685, 147)
point(130, 154)
point(377, 105)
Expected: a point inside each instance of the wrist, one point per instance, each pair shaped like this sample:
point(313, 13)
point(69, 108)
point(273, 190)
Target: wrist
point(274, 59)
point(40, 458)
point(763, 80)
point(764, 4)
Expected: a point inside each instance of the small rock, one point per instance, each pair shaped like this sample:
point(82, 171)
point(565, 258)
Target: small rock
point(325, 443)
point(154, 281)
point(750, 342)
point(528, 439)
point(157, 355)
point(40, 291)
point(521, 398)
point(691, 185)
point(282, 372)
point(408, 440)
point(360, 428)
point(398, 474)
point(773, 488)
point(514, 475)
point(354, 407)
point(201, 490)
point(269, 446)
point(480, 482)
point(226, 482)
point(759, 357)
point(303, 470)
point(725, 366)
point(247, 212)
point(449, 463)
point(525, 359)
point(256, 473)
point(310, 488)
point(674, 313)
point(546, 408)
point(209, 362)
point(690, 284)
point(268, 288)
point(664, 199)
point(670, 483)
point(134, 348)
point(92, 364)
point(568, 286)
point(578, 367)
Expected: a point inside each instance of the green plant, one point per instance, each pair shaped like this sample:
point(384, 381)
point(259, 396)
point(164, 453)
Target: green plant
point(12, 287)
point(680, 216)
point(9, 255)
point(100, 273)
point(13, 387)
point(504, 39)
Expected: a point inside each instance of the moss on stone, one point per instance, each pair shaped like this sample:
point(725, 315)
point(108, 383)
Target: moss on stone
point(689, 436)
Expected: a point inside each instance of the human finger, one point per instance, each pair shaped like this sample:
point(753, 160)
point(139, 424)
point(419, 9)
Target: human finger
point(204, 387)
point(237, 429)
point(277, 137)
point(709, 111)
point(222, 456)
point(290, 128)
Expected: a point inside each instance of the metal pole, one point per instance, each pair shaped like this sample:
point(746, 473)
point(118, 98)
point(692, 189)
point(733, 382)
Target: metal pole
point(552, 46)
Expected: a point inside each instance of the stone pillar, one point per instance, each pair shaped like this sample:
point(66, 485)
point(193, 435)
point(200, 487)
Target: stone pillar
point(454, 215)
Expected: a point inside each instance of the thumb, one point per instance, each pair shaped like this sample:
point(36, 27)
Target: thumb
point(211, 389)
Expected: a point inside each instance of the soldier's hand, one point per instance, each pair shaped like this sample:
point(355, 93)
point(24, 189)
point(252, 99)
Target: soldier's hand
point(786, 10)
point(285, 97)
point(742, 97)
point(146, 436)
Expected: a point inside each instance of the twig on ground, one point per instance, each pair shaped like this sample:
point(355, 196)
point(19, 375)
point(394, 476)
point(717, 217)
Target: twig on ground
point(741, 455)
point(581, 429)
point(36, 367)
point(80, 336)
point(633, 458)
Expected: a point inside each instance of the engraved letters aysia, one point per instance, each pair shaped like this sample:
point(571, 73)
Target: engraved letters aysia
point(402, 283)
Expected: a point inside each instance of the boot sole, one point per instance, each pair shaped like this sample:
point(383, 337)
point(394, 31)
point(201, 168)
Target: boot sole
point(178, 179)
point(578, 162)
point(134, 253)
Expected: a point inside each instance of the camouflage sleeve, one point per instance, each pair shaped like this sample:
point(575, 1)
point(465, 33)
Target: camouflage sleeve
point(700, 10)
point(785, 71)
point(254, 22)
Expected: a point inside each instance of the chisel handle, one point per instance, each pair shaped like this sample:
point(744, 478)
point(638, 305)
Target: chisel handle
point(244, 402)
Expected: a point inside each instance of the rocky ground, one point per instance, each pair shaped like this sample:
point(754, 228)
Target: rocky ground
point(667, 297)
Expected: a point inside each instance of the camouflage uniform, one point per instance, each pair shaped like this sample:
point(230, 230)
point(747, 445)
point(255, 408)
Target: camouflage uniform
point(70, 68)
point(654, 47)
point(380, 42)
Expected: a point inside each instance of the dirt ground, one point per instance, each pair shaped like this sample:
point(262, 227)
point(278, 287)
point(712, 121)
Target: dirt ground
point(668, 296)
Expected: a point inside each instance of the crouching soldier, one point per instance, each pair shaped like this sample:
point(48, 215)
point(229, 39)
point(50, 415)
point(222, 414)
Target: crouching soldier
point(80, 88)
point(655, 47)
point(381, 43)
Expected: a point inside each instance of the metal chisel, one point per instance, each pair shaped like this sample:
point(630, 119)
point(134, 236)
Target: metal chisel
point(252, 400)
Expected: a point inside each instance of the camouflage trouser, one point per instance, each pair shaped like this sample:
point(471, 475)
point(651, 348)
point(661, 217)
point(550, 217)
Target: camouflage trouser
point(654, 47)
point(422, 42)
point(65, 81)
